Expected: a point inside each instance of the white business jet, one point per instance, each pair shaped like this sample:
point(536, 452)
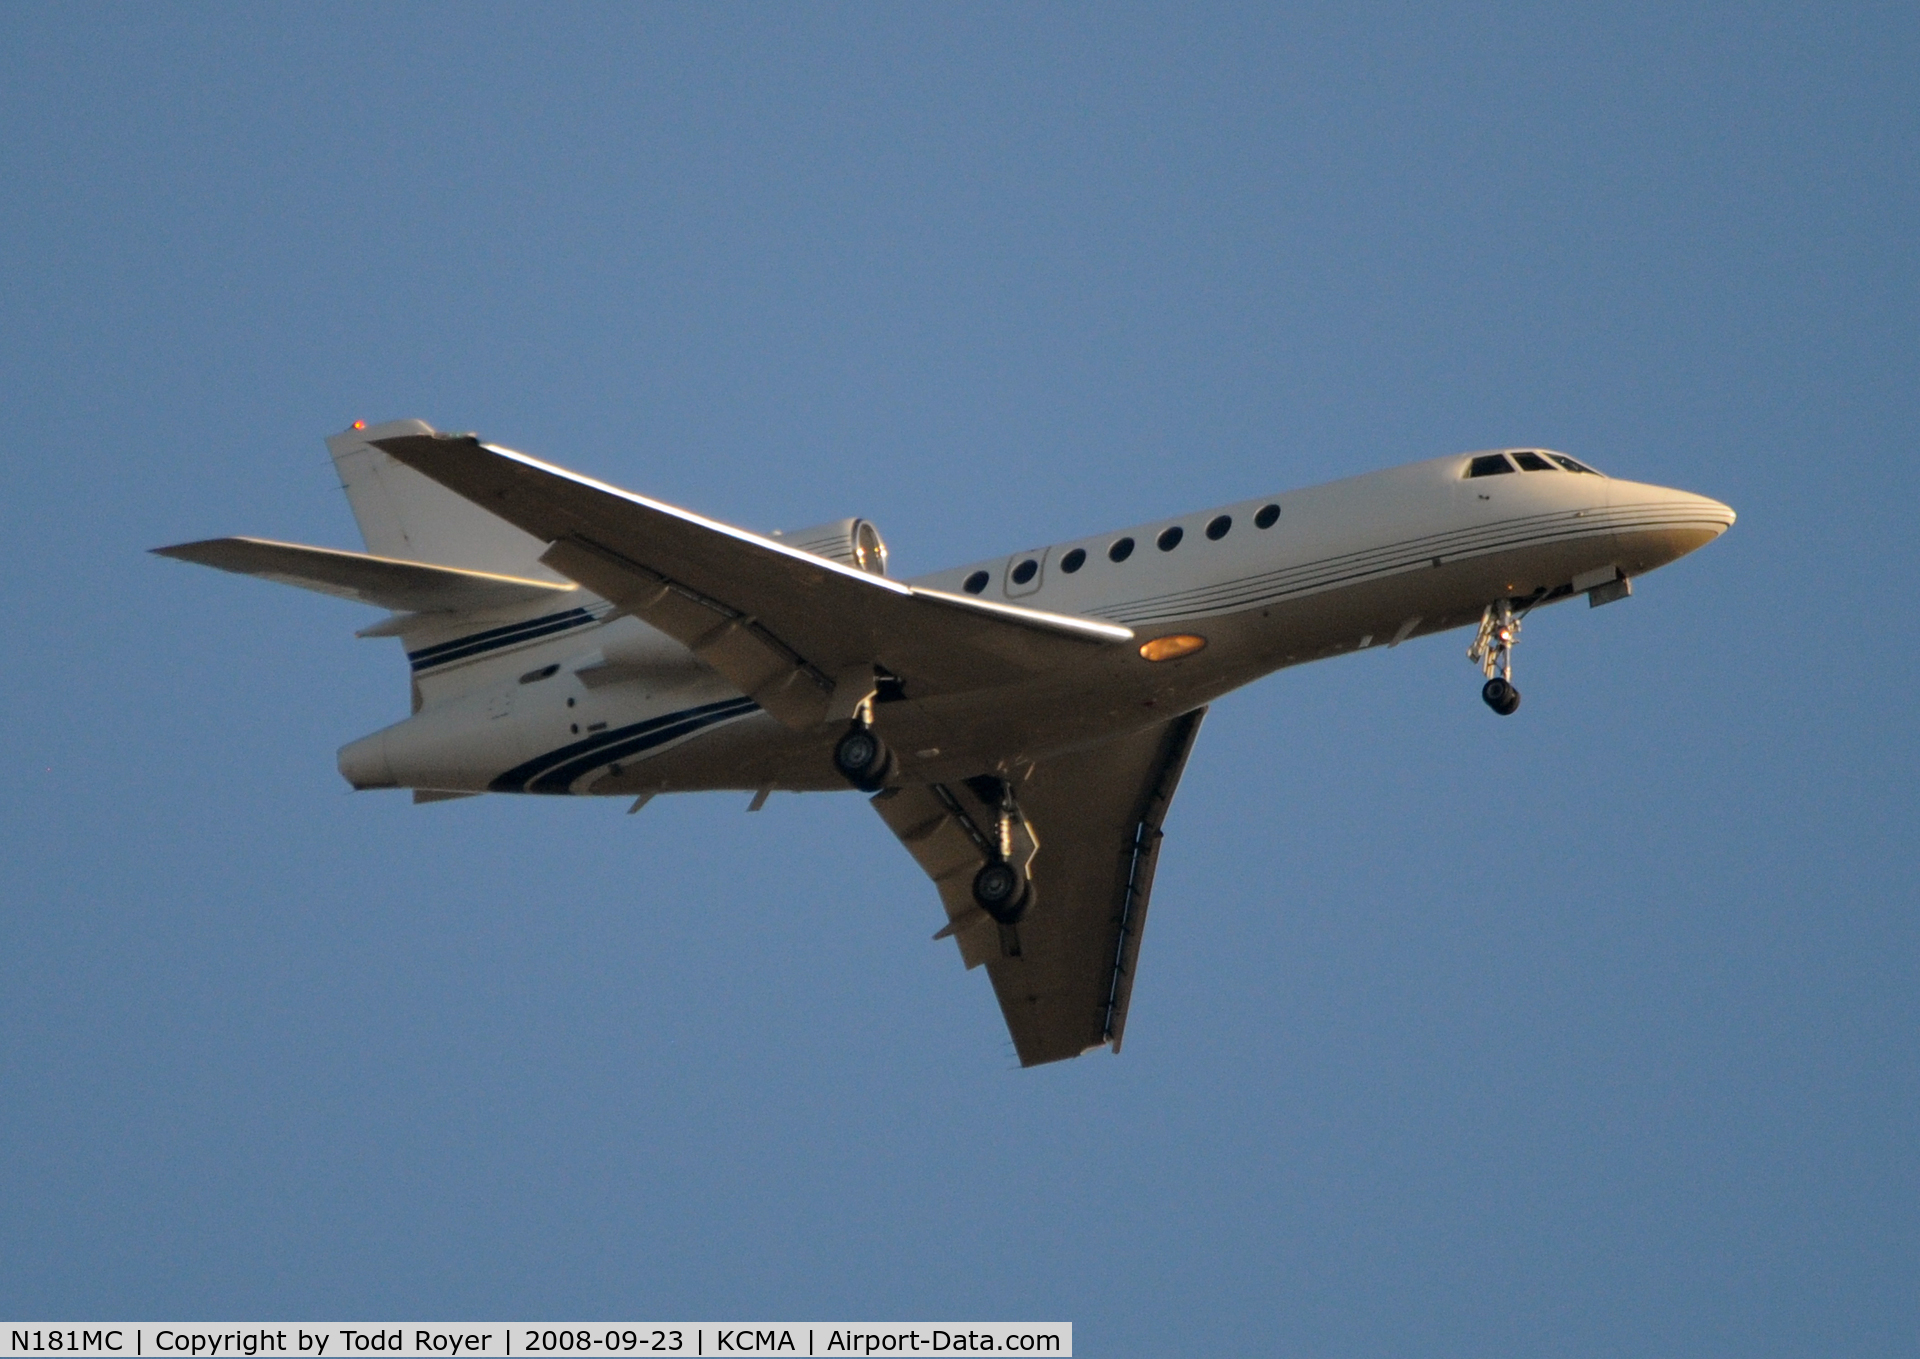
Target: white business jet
point(1020, 723)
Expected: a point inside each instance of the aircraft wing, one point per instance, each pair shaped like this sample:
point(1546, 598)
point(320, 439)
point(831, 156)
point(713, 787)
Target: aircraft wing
point(798, 633)
point(1064, 975)
point(403, 586)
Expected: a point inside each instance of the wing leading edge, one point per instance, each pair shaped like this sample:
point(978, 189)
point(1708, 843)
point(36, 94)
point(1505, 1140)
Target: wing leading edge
point(1064, 975)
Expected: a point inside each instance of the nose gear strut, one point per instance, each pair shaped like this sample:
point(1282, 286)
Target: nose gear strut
point(1492, 651)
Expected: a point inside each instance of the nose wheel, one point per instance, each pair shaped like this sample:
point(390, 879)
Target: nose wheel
point(1492, 651)
point(1500, 695)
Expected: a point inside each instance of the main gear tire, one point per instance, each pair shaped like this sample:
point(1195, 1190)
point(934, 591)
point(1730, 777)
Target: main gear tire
point(1002, 891)
point(863, 759)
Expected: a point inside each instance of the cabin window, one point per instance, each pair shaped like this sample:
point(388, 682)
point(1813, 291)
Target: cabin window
point(1532, 462)
point(1170, 538)
point(544, 672)
point(1122, 549)
point(1573, 466)
point(975, 583)
point(1221, 525)
point(1269, 516)
point(1024, 572)
point(1074, 560)
point(1489, 465)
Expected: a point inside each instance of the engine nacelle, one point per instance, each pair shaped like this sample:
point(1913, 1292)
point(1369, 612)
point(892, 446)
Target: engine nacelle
point(851, 542)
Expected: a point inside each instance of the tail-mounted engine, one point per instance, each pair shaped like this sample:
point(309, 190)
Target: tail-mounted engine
point(851, 542)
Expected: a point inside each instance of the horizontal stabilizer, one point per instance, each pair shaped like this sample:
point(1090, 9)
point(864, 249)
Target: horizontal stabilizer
point(405, 587)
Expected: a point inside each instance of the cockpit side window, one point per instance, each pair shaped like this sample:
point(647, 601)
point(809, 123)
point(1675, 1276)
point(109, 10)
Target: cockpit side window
point(1532, 462)
point(1489, 465)
point(1571, 465)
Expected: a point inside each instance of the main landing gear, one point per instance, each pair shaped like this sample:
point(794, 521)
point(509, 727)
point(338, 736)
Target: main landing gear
point(863, 758)
point(1001, 887)
point(1002, 891)
point(1006, 843)
point(1492, 651)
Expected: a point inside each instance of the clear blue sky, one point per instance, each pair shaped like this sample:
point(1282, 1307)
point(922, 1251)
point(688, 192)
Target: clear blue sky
point(1586, 1033)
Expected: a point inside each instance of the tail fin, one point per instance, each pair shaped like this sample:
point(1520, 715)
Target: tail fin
point(405, 515)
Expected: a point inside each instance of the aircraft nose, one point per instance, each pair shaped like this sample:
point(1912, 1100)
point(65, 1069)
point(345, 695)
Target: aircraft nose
point(1711, 511)
point(1697, 512)
point(1655, 525)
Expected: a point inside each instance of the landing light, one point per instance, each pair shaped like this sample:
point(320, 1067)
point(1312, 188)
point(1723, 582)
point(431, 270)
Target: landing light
point(1172, 648)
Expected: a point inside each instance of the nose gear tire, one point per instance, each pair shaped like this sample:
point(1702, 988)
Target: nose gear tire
point(1501, 696)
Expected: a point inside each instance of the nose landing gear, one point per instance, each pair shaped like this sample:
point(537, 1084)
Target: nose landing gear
point(1492, 651)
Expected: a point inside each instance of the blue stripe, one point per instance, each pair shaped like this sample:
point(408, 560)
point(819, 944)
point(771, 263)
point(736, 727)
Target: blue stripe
point(556, 771)
point(493, 639)
point(502, 631)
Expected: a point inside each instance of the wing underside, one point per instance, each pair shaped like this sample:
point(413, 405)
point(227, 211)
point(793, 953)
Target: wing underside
point(1064, 975)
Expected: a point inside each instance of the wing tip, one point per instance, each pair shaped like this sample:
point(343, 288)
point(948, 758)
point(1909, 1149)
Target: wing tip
point(195, 551)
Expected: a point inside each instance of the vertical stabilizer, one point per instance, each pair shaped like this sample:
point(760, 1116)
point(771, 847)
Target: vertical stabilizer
point(403, 514)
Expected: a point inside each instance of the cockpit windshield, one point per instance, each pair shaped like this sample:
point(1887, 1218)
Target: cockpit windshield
point(1528, 460)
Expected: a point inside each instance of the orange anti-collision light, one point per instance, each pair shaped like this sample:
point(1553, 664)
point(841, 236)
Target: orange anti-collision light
point(359, 424)
point(1172, 648)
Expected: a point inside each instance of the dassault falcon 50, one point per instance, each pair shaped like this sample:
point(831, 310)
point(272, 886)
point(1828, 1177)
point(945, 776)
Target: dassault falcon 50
point(1020, 723)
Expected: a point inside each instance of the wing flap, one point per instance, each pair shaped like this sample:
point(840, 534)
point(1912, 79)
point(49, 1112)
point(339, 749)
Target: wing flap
point(402, 586)
point(751, 658)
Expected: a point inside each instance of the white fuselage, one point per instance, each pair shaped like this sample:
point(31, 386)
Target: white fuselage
point(570, 696)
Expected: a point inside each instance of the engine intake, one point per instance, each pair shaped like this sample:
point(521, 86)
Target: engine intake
point(851, 542)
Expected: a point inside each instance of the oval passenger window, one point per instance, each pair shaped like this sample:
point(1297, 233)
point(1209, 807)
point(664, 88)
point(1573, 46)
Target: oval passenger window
point(1024, 572)
point(975, 583)
point(1074, 560)
point(1121, 550)
point(1269, 516)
